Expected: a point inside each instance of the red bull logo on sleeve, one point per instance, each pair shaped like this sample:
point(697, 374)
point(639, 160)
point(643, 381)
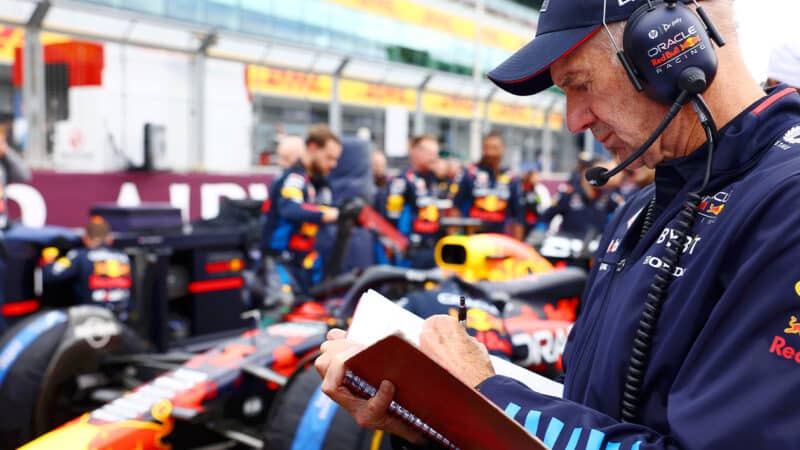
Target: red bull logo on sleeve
point(794, 326)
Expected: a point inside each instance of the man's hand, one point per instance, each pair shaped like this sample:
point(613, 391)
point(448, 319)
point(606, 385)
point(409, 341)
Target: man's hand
point(445, 341)
point(330, 214)
point(3, 147)
point(372, 413)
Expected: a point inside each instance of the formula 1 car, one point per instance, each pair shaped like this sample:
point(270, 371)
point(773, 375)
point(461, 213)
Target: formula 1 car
point(240, 391)
point(564, 249)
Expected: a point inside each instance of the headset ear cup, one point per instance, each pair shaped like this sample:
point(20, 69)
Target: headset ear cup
point(661, 41)
point(631, 25)
point(628, 64)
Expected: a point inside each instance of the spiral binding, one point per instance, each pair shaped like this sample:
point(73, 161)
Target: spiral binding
point(360, 387)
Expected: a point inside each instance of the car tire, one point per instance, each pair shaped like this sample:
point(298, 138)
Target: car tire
point(45, 352)
point(301, 399)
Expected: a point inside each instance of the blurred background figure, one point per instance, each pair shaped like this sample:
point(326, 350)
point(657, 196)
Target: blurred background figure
point(583, 209)
point(455, 169)
point(584, 161)
point(299, 203)
point(784, 65)
point(12, 170)
point(534, 198)
point(96, 274)
point(412, 202)
point(289, 150)
point(490, 193)
point(381, 180)
point(440, 170)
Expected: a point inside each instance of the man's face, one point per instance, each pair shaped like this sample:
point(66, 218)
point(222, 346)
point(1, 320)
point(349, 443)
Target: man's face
point(289, 150)
point(378, 164)
point(324, 159)
point(453, 168)
point(493, 150)
point(440, 169)
point(601, 98)
point(424, 155)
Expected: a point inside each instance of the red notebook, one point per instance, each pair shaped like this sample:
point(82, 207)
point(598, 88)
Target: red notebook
point(448, 411)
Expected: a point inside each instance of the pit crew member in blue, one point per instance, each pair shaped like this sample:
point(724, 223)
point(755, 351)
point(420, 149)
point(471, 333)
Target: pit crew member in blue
point(722, 372)
point(491, 193)
point(413, 203)
point(534, 196)
point(97, 273)
point(12, 170)
point(299, 202)
point(584, 209)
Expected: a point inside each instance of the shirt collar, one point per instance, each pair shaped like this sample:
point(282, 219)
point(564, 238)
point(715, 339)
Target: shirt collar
point(741, 143)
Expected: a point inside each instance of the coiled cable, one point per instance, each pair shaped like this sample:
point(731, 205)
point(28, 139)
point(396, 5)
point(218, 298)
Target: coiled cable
point(643, 338)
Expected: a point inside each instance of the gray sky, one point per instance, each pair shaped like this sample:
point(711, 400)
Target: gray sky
point(763, 25)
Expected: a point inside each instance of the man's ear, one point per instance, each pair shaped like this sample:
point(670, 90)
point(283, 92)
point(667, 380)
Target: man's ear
point(109, 240)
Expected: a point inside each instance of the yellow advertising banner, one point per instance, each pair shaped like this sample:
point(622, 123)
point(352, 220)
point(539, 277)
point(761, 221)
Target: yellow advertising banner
point(448, 106)
point(10, 38)
point(368, 94)
point(515, 115)
point(288, 83)
point(555, 121)
point(418, 14)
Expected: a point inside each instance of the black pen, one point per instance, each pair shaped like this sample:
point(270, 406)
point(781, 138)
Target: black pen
point(462, 312)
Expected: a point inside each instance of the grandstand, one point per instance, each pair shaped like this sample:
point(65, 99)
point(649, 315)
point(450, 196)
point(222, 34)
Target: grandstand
point(210, 84)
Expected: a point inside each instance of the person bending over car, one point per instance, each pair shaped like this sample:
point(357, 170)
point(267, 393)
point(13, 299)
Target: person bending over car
point(96, 274)
point(299, 202)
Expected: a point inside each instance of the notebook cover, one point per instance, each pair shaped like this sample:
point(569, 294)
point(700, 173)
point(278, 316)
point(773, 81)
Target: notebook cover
point(457, 411)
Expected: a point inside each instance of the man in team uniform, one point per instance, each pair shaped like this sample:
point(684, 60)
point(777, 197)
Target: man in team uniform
point(96, 274)
point(534, 197)
point(688, 336)
point(584, 209)
point(490, 193)
point(412, 205)
point(12, 170)
point(299, 202)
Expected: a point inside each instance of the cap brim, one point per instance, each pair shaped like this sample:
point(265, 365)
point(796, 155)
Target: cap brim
point(527, 71)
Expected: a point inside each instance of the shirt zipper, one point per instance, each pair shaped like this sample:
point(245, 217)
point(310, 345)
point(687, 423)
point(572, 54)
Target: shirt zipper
point(618, 267)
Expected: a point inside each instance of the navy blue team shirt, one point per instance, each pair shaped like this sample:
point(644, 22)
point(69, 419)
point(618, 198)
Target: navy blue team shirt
point(724, 371)
point(489, 196)
point(101, 276)
point(294, 213)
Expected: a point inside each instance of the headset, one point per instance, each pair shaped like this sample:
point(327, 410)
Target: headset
point(667, 54)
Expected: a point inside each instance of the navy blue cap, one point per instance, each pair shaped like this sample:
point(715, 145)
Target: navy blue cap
point(563, 26)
